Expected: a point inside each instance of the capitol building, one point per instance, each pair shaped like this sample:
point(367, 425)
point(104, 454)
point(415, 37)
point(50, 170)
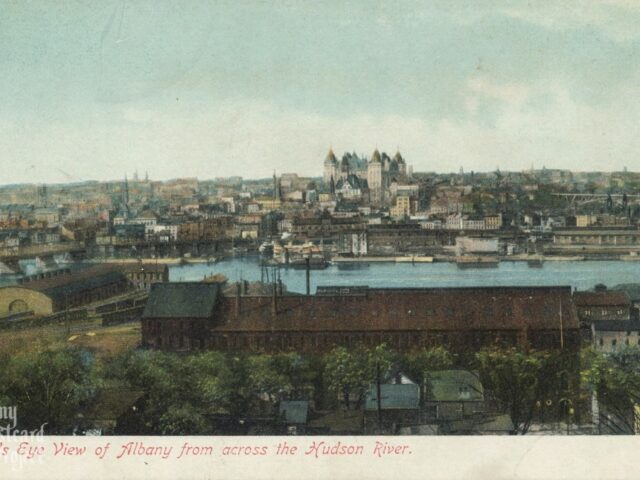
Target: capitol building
point(353, 175)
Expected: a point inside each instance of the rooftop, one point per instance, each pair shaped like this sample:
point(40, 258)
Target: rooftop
point(399, 396)
point(601, 299)
point(68, 282)
point(454, 386)
point(181, 300)
point(145, 267)
point(444, 309)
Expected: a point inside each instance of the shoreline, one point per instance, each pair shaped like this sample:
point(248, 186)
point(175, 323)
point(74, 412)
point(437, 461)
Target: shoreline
point(423, 259)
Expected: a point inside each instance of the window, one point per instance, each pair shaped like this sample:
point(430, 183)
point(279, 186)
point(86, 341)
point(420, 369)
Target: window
point(601, 341)
point(614, 342)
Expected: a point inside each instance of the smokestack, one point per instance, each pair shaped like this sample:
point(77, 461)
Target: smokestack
point(238, 300)
point(308, 275)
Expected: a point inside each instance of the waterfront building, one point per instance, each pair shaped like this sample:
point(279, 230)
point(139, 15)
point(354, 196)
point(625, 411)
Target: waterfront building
point(143, 275)
point(595, 240)
point(602, 306)
point(188, 316)
point(54, 291)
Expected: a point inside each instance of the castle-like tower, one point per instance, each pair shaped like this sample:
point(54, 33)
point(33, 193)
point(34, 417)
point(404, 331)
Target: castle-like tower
point(402, 165)
point(330, 167)
point(345, 168)
point(374, 178)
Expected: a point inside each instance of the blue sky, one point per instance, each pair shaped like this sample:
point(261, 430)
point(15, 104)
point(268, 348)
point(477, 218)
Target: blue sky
point(91, 90)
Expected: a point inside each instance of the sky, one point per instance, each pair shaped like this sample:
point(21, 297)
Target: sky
point(94, 90)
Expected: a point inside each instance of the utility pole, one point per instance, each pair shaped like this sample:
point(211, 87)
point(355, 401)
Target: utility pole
point(308, 273)
point(379, 396)
point(66, 314)
point(561, 327)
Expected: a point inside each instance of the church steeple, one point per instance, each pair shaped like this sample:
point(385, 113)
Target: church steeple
point(125, 197)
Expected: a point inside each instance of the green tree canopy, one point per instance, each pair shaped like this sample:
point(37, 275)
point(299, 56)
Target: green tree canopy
point(49, 387)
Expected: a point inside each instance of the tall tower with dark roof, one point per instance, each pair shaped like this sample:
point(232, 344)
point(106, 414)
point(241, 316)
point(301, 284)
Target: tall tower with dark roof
point(374, 178)
point(330, 167)
point(345, 168)
point(402, 165)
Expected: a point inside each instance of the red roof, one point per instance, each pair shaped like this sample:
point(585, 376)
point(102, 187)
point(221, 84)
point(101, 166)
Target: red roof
point(601, 299)
point(494, 308)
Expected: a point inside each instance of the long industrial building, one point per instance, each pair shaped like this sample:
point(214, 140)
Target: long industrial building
point(50, 292)
point(188, 316)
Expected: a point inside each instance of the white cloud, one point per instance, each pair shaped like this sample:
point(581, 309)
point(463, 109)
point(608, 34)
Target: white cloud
point(617, 18)
point(252, 139)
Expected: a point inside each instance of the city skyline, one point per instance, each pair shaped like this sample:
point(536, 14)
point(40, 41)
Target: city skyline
point(91, 90)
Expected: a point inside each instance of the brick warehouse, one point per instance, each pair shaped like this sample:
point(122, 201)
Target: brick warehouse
point(191, 316)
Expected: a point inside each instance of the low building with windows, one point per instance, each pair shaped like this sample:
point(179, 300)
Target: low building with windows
point(453, 395)
point(177, 315)
point(143, 275)
point(398, 406)
point(611, 336)
point(182, 316)
point(50, 292)
point(602, 305)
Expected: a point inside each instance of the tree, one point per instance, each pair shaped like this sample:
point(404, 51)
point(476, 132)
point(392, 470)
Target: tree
point(50, 387)
point(268, 376)
point(183, 420)
point(419, 363)
point(178, 392)
point(380, 360)
point(520, 381)
point(302, 374)
point(616, 383)
point(351, 372)
point(347, 373)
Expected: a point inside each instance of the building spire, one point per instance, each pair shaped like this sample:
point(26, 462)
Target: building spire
point(126, 191)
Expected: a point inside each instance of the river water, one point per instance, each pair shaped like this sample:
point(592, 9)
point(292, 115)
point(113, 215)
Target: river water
point(582, 275)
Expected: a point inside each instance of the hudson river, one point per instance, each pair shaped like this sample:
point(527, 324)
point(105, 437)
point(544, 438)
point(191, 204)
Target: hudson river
point(580, 274)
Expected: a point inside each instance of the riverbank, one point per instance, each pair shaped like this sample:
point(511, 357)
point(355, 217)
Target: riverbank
point(161, 261)
point(367, 259)
point(453, 259)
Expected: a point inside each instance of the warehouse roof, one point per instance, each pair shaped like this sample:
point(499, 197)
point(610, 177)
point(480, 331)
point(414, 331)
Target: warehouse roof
point(145, 267)
point(376, 309)
point(601, 299)
point(181, 300)
point(67, 282)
